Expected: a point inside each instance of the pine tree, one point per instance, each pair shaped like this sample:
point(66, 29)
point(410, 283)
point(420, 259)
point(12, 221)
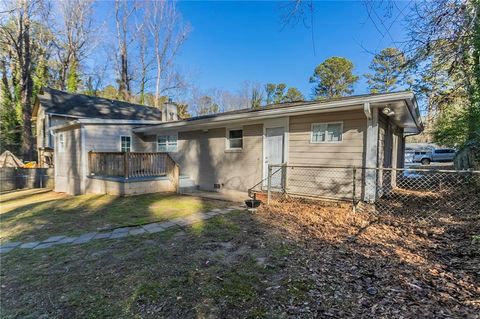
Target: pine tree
point(388, 71)
point(333, 78)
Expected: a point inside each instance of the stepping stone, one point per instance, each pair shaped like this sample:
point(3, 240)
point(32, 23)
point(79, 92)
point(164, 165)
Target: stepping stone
point(103, 235)
point(156, 229)
point(4, 250)
point(166, 224)
point(216, 210)
point(211, 213)
point(53, 239)
point(29, 245)
point(137, 231)
point(181, 221)
point(44, 245)
point(147, 227)
point(66, 240)
point(118, 234)
point(121, 230)
point(11, 244)
point(85, 238)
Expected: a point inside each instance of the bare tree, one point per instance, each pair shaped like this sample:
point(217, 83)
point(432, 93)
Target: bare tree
point(168, 34)
point(74, 35)
point(123, 12)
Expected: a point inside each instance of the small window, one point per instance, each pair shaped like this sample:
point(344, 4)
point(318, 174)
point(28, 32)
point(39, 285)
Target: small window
point(61, 142)
point(125, 144)
point(326, 132)
point(167, 143)
point(235, 139)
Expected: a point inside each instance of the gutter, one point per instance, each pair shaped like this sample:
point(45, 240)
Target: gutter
point(102, 121)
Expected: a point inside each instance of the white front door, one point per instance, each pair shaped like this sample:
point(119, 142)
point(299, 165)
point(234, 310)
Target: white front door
point(274, 143)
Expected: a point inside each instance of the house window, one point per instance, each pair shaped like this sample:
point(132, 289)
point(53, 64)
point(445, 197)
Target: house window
point(167, 143)
point(125, 144)
point(235, 140)
point(326, 132)
point(61, 142)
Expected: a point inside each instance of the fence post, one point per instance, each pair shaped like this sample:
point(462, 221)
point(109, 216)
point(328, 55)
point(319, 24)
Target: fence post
point(269, 184)
point(284, 178)
point(354, 173)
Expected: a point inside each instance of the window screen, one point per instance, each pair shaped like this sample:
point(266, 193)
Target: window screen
point(326, 132)
point(235, 139)
point(125, 144)
point(167, 143)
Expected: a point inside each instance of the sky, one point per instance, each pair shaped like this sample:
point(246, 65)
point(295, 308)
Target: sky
point(235, 41)
point(232, 42)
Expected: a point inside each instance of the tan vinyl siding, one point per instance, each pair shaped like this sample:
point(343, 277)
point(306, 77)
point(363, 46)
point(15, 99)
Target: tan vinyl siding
point(106, 138)
point(68, 166)
point(347, 152)
point(202, 156)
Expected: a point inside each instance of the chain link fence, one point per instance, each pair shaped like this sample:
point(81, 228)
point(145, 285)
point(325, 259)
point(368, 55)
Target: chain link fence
point(421, 193)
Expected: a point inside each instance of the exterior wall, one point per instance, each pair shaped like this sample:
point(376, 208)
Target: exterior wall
point(40, 128)
point(203, 157)
point(331, 183)
point(71, 167)
point(68, 163)
point(98, 186)
point(348, 152)
point(106, 138)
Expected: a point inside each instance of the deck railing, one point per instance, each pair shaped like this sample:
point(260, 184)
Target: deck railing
point(130, 164)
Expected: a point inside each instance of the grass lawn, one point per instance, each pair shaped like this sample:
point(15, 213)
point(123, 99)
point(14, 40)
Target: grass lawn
point(36, 214)
point(288, 260)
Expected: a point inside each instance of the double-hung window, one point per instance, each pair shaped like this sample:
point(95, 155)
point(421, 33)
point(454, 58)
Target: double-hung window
point(125, 144)
point(235, 139)
point(167, 143)
point(326, 132)
point(61, 142)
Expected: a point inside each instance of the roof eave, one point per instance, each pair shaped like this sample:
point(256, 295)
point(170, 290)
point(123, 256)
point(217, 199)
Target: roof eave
point(338, 105)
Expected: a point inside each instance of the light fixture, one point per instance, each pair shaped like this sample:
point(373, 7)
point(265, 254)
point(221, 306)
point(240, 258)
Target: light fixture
point(388, 111)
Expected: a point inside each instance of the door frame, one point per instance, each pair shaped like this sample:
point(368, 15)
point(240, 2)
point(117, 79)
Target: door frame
point(272, 123)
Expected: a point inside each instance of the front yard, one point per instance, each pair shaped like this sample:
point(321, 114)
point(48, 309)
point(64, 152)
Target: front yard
point(289, 260)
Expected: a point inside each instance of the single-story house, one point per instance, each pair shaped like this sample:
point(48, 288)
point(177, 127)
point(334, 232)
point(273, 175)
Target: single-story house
point(55, 108)
point(231, 151)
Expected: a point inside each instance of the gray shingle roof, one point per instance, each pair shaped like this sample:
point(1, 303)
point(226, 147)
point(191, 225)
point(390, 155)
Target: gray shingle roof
point(85, 106)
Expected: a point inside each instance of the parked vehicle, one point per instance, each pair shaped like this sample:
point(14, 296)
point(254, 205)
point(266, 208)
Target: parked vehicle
point(434, 155)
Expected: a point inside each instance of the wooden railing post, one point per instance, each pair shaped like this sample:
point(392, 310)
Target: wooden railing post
point(90, 162)
point(125, 165)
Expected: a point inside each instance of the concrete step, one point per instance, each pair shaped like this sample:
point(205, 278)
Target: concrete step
point(187, 185)
point(188, 189)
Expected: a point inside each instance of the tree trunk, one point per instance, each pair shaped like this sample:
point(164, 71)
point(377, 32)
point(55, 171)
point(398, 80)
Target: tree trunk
point(26, 83)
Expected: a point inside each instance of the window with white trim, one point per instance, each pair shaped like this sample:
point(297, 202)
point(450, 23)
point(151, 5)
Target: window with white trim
point(125, 144)
point(235, 139)
point(167, 143)
point(61, 142)
point(327, 132)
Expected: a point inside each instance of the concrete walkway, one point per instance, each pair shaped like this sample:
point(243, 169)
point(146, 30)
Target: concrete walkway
point(116, 233)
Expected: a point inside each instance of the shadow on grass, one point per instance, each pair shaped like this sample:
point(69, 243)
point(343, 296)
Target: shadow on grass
point(32, 220)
